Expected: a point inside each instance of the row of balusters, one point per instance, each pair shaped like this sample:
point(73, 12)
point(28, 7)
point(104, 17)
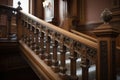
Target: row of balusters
point(43, 45)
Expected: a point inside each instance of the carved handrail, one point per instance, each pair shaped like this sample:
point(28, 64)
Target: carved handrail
point(85, 36)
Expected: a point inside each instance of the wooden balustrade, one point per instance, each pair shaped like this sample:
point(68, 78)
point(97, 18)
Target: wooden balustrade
point(51, 39)
point(42, 41)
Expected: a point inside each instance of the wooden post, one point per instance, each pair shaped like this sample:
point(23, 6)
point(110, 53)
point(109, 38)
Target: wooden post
point(19, 22)
point(106, 34)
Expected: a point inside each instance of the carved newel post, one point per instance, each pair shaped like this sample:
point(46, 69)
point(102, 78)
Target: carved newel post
point(106, 48)
point(18, 22)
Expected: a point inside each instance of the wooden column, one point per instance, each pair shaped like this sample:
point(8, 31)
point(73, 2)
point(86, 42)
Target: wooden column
point(106, 69)
point(56, 19)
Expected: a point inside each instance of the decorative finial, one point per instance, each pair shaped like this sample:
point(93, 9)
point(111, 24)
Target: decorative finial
point(19, 3)
point(19, 8)
point(106, 15)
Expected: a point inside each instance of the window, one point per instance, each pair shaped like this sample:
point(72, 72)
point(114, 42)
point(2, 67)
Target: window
point(24, 4)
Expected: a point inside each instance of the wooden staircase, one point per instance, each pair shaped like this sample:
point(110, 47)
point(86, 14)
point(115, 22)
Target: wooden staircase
point(56, 54)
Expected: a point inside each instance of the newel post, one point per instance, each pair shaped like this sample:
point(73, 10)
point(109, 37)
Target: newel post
point(19, 22)
point(105, 69)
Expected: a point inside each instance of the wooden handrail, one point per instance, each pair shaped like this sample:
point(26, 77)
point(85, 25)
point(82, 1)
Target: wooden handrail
point(83, 35)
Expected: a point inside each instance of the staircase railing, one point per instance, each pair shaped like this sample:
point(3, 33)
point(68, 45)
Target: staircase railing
point(47, 48)
point(46, 40)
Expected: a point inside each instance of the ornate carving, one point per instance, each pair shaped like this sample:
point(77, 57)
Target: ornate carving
point(103, 56)
point(106, 16)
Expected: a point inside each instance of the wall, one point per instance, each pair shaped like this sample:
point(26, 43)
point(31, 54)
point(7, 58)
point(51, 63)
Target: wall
point(3, 1)
point(93, 9)
point(6, 2)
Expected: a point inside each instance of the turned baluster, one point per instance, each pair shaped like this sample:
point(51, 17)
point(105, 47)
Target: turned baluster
point(37, 42)
point(55, 60)
point(48, 60)
point(31, 36)
point(28, 32)
point(73, 58)
point(25, 32)
point(41, 55)
point(34, 38)
point(63, 69)
point(85, 64)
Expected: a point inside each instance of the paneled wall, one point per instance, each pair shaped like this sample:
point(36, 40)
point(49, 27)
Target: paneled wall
point(7, 2)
